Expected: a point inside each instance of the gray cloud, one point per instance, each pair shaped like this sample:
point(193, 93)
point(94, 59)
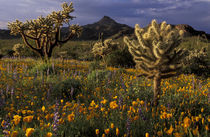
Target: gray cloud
point(192, 12)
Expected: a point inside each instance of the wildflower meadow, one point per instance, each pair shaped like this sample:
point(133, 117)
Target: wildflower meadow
point(67, 99)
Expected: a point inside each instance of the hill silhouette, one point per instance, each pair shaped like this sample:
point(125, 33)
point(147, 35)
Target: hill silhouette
point(111, 28)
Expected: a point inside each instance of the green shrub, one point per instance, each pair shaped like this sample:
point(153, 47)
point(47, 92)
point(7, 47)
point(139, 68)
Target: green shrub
point(95, 65)
point(66, 89)
point(120, 58)
point(97, 76)
point(43, 68)
point(197, 63)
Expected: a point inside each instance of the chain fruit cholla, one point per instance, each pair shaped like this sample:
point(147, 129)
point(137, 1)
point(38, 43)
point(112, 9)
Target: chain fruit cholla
point(104, 47)
point(45, 31)
point(156, 54)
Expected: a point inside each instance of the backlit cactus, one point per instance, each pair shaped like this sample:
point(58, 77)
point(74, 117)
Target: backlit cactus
point(156, 53)
point(18, 49)
point(45, 31)
point(103, 47)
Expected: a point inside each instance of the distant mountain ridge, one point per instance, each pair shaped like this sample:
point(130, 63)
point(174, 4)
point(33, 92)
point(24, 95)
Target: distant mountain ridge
point(5, 34)
point(110, 28)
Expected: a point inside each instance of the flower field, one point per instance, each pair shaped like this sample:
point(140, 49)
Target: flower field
point(68, 99)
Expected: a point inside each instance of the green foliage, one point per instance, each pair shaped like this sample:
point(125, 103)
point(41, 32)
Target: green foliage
point(95, 65)
point(20, 50)
point(97, 76)
point(74, 50)
point(66, 89)
point(197, 62)
point(43, 68)
point(121, 58)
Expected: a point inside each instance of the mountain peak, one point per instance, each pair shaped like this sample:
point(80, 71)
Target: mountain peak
point(106, 20)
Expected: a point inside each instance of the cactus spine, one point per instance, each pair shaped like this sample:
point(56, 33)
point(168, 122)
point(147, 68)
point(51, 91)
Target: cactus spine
point(156, 54)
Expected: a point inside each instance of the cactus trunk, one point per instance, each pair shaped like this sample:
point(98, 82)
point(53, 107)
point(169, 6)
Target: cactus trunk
point(157, 89)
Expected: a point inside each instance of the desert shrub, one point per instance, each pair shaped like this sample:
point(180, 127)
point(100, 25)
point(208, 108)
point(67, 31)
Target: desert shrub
point(120, 58)
point(97, 76)
point(95, 65)
point(7, 52)
point(43, 68)
point(66, 89)
point(197, 63)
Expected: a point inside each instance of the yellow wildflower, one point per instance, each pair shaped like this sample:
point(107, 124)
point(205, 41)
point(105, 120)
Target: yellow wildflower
point(14, 134)
point(113, 105)
point(178, 134)
point(195, 131)
point(112, 125)
point(49, 134)
point(43, 108)
point(28, 119)
point(115, 97)
point(142, 102)
point(169, 132)
point(147, 135)
point(187, 122)
point(29, 132)
point(92, 103)
point(197, 119)
point(3, 123)
point(107, 131)
point(71, 117)
point(117, 131)
point(134, 103)
point(17, 119)
point(97, 131)
point(207, 127)
point(103, 101)
point(160, 133)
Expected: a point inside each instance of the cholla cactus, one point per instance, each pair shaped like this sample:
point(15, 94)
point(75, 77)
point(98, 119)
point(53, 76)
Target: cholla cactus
point(103, 47)
point(45, 31)
point(155, 53)
point(18, 49)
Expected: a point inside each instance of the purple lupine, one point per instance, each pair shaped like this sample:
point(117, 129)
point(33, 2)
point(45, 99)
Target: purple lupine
point(48, 71)
point(168, 106)
point(48, 91)
point(53, 67)
point(7, 89)
point(2, 101)
point(123, 86)
point(56, 119)
point(8, 68)
point(128, 126)
point(72, 92)
point(64, 72)
point(6, 128)
point(141, 114)
point(12, 93)
point(120, 101)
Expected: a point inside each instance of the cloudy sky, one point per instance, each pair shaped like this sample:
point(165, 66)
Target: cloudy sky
point(193, 12)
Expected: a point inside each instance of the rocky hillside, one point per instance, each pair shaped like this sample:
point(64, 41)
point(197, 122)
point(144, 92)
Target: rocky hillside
point(107, 26)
